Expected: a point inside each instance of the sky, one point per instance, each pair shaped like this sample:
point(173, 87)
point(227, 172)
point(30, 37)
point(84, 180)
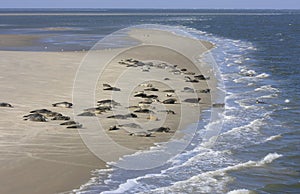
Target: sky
point(164, 4)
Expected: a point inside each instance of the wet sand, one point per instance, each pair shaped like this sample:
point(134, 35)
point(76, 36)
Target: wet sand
point(44, 157)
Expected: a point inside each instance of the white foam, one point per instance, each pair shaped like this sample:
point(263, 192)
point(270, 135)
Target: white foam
point(241, 191)
point(262, 75)
point(248, 73)
point(123, 187)
point(274, 137)
point(252, 126)
point(268, 88)
point(270, 96)
point(238, 61)
point(214, 181)
point(93, 180)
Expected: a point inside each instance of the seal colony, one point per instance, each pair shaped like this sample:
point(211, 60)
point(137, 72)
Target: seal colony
point(154, 106)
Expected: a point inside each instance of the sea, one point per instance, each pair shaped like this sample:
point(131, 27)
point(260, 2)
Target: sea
point(257, 149)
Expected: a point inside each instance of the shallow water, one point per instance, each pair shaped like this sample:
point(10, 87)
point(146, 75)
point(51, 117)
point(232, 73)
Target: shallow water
point(257, 54)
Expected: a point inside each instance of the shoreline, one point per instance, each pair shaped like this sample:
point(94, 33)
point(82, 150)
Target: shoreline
point(47, 148)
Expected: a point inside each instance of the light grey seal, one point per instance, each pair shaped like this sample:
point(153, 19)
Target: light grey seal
point(108, 103)
point(87, 114)
point(141, 134)
point(188, 90)
point(53, 114)
point(63, 104)
point(61, 118)
point(35, 117)
point(192, 100)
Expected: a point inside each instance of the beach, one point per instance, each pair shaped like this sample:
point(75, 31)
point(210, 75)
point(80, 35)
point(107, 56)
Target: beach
point(45, 157)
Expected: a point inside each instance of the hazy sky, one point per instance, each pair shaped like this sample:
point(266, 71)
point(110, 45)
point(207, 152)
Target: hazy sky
point(223, 4)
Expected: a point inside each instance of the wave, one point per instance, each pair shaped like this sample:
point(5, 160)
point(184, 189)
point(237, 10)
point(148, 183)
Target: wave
point(213, 181)
point(254, 125)
point(267, 88)
point(262, 75)
point(274, 137)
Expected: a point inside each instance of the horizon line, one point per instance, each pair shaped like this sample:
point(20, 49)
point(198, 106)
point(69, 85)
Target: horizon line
point(154, 8)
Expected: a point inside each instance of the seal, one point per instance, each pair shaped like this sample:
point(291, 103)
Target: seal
point(201, 77)
point(161, 129)
point(169, 95)
point(192, 100)
point(151, 89)
point(143, 95)
point(147, 101)
point(53, 114)
point(108, 102)
point(87, 114)
point(143, 111)
point(148, 85)
point(69, 123)
point(188, 79)
point(98, 110)
point(141, 134)
point(168, 111)
point(35, 117)
point(130, 115)
point(188, 90)
point(76, 126)
point(61, 118)
point(204, 91)
point(169, 101)
point(218, 105)
point(109, 87)
point(41, 111)
point(113, 128)
point(63, 104)
point(4, 104)
point(189, 73)
point(169, 91)
point(151, 96)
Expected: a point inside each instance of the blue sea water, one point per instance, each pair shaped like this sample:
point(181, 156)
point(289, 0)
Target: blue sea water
point(257, 54)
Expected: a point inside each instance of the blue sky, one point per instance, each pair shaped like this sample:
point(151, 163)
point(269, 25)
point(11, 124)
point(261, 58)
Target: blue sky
point(216, 4)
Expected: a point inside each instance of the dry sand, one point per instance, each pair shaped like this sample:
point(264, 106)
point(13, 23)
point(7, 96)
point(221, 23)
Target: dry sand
point(48, 158)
